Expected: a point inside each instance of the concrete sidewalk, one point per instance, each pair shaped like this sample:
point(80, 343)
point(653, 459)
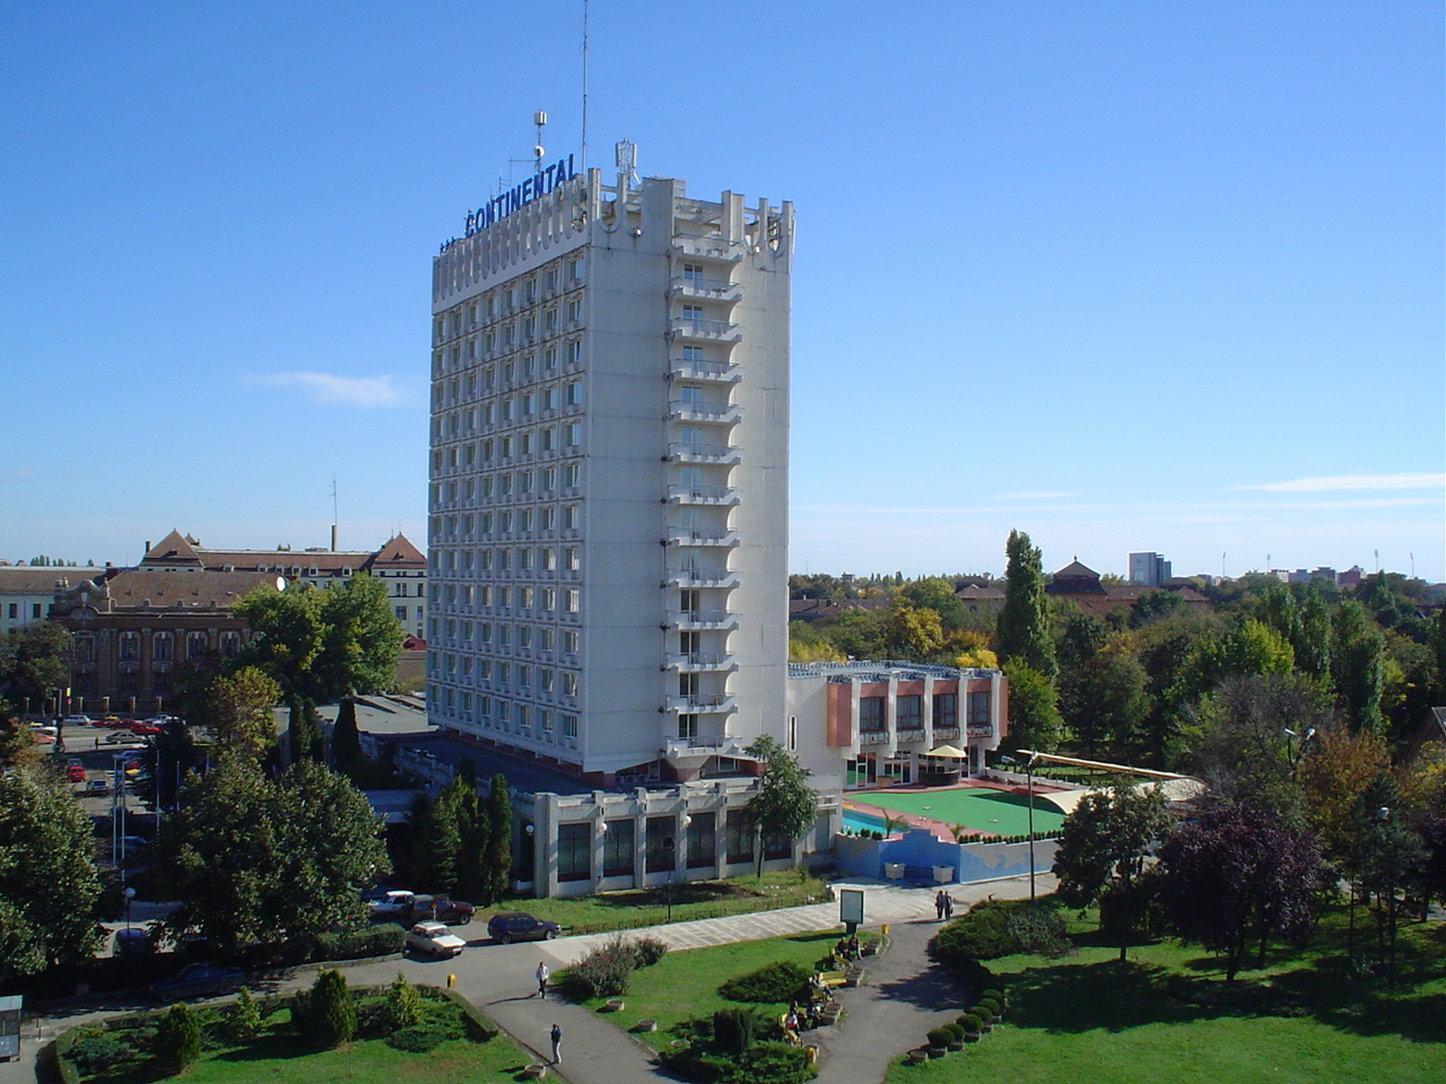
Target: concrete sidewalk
point(499, 980)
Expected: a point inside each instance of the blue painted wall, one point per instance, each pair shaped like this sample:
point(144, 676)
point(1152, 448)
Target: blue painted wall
point(919, 848)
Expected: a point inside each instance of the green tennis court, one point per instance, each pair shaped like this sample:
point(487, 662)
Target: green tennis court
point(979, 808)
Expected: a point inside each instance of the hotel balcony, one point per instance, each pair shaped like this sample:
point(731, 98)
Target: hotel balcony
point(702, 745)
point(980, 730)
point(709, 248)
point(873, 737)
point(691, 410)
point(691, 286)
point(713, 372)
point(946, 733)
point(703, 453)
point(910, 733)
point(719, 496)
point(701, 577)
point(705, 330)
point(690, 620)
point(702, 536)
point(699, 662)
point(706, 704)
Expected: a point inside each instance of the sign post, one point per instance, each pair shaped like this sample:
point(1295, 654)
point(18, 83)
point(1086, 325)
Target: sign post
point(851, 908)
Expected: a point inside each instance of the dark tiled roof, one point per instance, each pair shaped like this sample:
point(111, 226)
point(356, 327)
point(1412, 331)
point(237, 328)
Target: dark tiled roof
point(398, 552)
point(140, 589)
point(175, 548)
point(41, 580)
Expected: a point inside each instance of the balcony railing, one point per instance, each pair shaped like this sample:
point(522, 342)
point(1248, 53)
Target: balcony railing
point(696, 660)
point(945, 733)
point(702, 745)
point(703, 619)
point(688, 327)
point(700, 705)
point(701, 577)
point(697, 369)
point(690, 494)
point(697, 410)
point(697, 286)
point(703, 453)
point(981, 730)
point(702, 536)
point(873, 737)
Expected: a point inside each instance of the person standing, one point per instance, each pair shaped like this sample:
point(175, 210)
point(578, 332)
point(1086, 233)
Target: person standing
point(542, 976)
point(948, 904)
point(939, 905)
point(556, 1044)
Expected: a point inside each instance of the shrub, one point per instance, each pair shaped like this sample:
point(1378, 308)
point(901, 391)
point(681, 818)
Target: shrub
point(95, 1051)
point(985, 1014)
point(605, 970)
point(997, 995)
point(1039, 929)
point(970, 1022)
point(404, 1004)
point(373, 1018)
point(957, 1030)
point(380, 940)
point(733, 1030)
point(331, 1016)
point(477, 1027)
point(438, 1025)
point(773, 982)
point(650, 950)
point(178, 1038)
point(939, 1037)
point(243, 1018)
point(300, 1006)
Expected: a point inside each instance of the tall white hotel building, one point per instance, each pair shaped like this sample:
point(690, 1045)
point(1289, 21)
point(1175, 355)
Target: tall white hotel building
point(608, 504)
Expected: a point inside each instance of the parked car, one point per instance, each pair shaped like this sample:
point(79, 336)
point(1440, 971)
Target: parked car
point(97, 786)
point(198, 980)
point(112, 722)
point(135, 941)
point(77, 720)
point(397, 903)
point(434, 939)
point(143, 729)
point(509, 926)
point(44, 737)
point(121, 737)
point(75, 771)
point(443, 909)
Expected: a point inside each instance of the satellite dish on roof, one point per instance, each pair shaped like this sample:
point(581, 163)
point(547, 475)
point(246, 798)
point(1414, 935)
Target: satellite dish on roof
point(281, 583)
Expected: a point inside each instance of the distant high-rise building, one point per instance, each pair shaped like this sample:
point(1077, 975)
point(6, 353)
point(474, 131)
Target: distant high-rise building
point(608, 505)
point(1149, 569)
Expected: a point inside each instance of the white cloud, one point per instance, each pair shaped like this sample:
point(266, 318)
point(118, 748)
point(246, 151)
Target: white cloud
point(1039, 495)
point(329, 389)
point(1349, 483)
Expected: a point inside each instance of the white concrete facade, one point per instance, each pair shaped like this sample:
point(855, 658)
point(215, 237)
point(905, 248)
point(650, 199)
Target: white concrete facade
point(608, 502)
point(1149, 569)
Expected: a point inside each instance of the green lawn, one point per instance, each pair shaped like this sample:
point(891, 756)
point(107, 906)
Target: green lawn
point(979, 808)
point(1169, 1015)
point(649, 907)
point(278, 1055)
point(685, 984)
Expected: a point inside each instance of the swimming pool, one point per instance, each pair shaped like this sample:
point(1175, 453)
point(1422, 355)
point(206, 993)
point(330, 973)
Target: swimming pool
point(980, 809)
point(854, 821)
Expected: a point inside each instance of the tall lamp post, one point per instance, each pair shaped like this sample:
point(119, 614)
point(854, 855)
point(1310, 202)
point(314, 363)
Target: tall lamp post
point(1029, 776)
point(1384, 816)
point(670, 848)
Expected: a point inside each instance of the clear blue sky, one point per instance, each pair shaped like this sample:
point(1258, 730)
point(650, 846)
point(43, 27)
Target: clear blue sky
point(1127, 276)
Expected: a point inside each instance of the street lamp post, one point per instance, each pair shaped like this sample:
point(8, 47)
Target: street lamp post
point(130, 894)
point(1029, 775)
point(670, 848)
point(1384, 816)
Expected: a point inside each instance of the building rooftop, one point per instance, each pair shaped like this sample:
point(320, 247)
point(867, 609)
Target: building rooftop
point(185, 551)
point(877, 670)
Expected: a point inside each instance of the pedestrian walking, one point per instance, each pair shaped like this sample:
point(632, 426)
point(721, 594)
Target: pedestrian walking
point(542, 976)
point(948, 905)
point(556, 1044)
point(939, 905)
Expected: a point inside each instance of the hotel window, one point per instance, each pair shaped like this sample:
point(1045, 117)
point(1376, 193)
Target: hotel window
point(871, 713)
point(618, 844)
point(545, 639)
point(693, 313)
point(574, 851)
point(702, 840)
point(575, 269)
point(946, 709)
point(569, 642)
point(549, 555)
point(544, 720)
point(979, 709)
point(909, 712)
point(574, 351)
point(549, 399)
point(549, 359)
point(572, 600)
point(549, 600)
point(574, 312)
point(693, 272)
point(161, 647)
point(574, 435)
point(569, 683)
point(658, 856)
point(574, 393)
point(549, 319)
point(571, 557)
point(738, 837)
point(569, 726)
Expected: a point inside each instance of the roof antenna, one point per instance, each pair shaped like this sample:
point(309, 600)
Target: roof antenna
point(582, 158)
point(334, 516)
point(540, 119)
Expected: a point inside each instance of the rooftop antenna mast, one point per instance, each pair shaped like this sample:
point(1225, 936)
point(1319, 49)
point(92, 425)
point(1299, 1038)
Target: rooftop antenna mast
point(582, 157)
point(334, 517)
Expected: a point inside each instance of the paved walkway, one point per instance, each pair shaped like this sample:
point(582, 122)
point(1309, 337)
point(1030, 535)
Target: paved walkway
point(884, 1018)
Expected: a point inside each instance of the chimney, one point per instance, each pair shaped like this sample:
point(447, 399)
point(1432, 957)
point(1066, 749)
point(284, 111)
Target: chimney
point(148, 547)
point(333, 538)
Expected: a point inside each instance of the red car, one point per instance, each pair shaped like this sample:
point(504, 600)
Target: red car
point(144, 730)
point(75, 772)
point(110, 722)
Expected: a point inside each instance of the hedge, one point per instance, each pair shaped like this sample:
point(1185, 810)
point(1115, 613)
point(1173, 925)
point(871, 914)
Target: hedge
point(380, 940)
point(479, 1027)
point(773, 982)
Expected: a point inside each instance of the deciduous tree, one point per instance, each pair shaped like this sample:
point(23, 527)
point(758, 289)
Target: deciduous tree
point(784, 806)
point(238, 711)
point(1102, 849)
point(50, 888)
point(1358, 665)
point(499, 839)
point(34, 661)
point(345, 739)
point(1034, 720)
point(1236, 876)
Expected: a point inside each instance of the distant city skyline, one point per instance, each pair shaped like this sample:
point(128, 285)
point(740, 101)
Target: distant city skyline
point(1125, 277)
